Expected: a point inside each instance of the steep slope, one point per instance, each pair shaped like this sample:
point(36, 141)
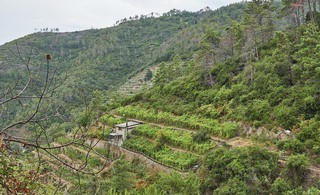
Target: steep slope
point(248, 80)
point(103, 59)
point(139, 82)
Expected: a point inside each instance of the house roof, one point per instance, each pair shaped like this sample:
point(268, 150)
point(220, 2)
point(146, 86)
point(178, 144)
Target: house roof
point(128, 124)
point(115, 134)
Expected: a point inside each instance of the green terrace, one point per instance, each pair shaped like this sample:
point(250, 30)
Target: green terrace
point(193, 122)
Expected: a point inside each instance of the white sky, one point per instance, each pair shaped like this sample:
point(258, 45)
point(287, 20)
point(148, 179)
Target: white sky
point(22, 17)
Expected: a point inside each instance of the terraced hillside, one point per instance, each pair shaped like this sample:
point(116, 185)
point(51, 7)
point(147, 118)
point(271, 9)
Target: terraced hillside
point(141, 81)
point(165, 144)
point(64, 164)
point(157, 146)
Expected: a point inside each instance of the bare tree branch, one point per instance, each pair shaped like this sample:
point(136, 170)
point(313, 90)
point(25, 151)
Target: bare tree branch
point(31, 91)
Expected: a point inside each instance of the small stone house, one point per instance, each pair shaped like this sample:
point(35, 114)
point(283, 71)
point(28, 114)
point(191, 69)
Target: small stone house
point(115, 139)
point(121, 131)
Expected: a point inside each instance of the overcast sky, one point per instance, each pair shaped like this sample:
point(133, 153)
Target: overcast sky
point(22, 17)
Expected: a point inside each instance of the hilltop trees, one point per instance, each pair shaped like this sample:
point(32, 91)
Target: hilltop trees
point(208, 55)
point(302, 11)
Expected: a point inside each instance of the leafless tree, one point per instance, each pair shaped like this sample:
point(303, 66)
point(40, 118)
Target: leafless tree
point(35, 85)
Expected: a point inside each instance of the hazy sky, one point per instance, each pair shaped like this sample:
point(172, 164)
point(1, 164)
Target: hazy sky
point(22, 17)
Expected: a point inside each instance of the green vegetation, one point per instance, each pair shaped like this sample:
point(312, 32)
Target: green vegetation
point(17, 174)
point(100, 60)
point(211, 126)
point(165, 155)
point(241, 167)
point(99, 133)
point(231, 72)
point(110, 120)
point(175, 138)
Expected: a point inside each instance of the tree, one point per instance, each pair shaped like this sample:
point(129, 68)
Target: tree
point(283, 57)
point(296, 8)
point(24, 108)
point(208, 55)
point(15, 177)
point(261, 12)
point(248, 167)
point(169, 72)
point(35, 85)
point(148, 76)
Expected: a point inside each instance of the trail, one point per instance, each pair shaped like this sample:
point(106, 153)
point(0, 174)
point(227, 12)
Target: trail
point(108, 167)
point(315, 170)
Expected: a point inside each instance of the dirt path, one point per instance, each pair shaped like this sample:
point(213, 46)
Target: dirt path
point(239, 142)
point(315, 170)
point(108, 167)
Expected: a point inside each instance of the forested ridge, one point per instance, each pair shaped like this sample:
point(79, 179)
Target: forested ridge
point(232, 104)
point(103, 59)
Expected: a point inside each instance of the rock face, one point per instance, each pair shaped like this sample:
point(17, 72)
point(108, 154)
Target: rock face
point(284, 134)
point(247, 130)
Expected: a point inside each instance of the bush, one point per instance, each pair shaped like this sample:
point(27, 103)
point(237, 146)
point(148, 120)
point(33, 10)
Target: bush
point(285, 116)
point(200, 137)
point(279, 186)
point(228, 129)
point(258, 110)
point(310, 130)
point(294, 146)
point(296, 169)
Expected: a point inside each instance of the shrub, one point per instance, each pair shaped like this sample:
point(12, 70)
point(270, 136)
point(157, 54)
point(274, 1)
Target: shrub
point(296, 168)
point(294, 146)
point(228, 129)
point(280, 186)
point(285, 116)
point(258, 110)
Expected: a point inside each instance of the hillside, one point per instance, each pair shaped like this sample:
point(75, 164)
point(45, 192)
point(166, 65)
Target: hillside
point(103, 59)
point(222, 102)
point(250, 81)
